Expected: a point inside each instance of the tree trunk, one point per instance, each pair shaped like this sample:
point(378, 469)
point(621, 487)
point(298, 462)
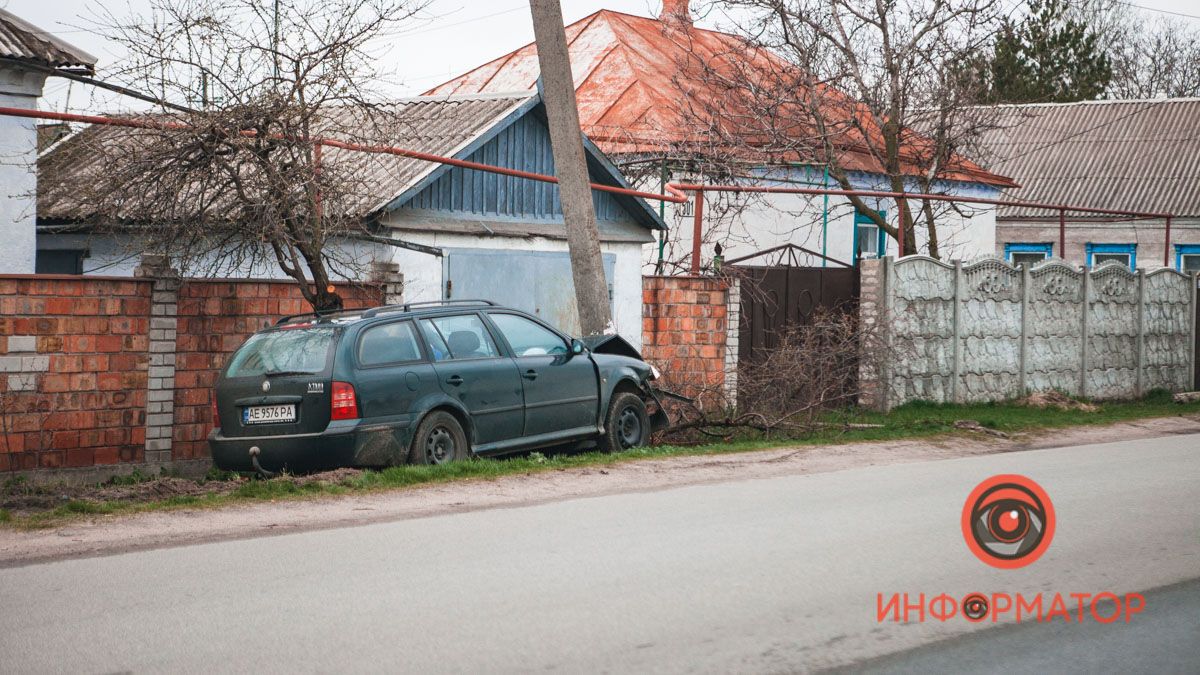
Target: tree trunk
point(566, 139)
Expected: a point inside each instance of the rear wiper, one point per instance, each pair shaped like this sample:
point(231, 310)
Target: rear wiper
point(275, 373)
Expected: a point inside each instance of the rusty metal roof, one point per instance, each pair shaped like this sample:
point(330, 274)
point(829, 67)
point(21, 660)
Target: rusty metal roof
point(437, 125)
point(22, 40)
point(631, 72)
point(1131, 155)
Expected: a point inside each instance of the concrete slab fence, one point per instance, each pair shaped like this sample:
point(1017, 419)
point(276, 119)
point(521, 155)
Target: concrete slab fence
point(988, 331)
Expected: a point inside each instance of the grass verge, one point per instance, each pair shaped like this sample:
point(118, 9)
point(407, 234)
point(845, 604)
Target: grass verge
point(913, 421)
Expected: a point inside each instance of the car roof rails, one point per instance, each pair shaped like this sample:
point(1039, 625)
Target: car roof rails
point(316, 315)
point(408, 306)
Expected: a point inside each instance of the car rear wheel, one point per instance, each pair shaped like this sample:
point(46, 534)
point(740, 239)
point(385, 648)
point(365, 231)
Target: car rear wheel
point(439, 440)
point(627, 425)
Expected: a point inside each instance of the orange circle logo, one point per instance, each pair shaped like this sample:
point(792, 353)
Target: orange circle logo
point(1008, 521)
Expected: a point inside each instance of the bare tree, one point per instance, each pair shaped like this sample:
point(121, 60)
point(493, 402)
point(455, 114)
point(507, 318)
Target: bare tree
point(238, 180)
point(869, 86)
point(1153, 57)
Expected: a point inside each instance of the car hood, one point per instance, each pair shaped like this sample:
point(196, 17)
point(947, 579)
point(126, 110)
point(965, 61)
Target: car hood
point(611, 344)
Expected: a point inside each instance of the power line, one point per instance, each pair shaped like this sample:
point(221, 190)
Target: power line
point(1154, 9)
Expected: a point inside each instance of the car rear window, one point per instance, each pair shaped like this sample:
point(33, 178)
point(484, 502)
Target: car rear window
point(299, 351)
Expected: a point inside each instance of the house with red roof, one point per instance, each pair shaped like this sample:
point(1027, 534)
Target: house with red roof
point(641, 101)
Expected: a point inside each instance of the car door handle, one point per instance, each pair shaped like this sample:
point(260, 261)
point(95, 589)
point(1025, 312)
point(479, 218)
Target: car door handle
point(530, 375)
point(454, 380)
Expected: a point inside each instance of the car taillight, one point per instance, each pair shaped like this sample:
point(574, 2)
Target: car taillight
point(344, 404)
point(216, 416)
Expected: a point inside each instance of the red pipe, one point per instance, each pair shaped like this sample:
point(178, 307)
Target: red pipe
point(697, 232)
point(1167, 246)
point(1062, 234)
point(916, 195)
point(674, 196)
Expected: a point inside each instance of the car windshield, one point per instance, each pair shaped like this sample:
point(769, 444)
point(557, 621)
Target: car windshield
point(296, 351)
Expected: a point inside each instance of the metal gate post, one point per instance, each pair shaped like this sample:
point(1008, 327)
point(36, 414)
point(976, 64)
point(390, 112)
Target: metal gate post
point(955, 384)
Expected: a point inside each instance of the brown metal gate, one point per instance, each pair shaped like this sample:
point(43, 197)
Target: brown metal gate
point(776, 299)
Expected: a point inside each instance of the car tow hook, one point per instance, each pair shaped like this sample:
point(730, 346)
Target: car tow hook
point(254, 452)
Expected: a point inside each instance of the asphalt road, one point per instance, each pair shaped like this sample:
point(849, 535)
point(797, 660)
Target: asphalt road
point(772, 575)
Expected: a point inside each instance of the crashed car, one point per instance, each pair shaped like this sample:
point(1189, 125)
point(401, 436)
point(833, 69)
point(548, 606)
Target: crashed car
point(424, 383)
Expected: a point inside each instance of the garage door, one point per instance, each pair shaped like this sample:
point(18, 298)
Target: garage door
point(538, 282)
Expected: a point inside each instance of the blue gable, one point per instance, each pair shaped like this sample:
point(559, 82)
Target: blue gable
point(523, 143)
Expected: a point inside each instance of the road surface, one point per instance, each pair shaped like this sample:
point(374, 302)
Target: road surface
point(768, 575)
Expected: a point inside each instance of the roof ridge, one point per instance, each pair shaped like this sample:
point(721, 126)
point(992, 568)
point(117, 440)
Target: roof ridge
point(1110, 101)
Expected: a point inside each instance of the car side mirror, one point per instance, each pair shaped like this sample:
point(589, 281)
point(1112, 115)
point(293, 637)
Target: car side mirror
point(577, 347)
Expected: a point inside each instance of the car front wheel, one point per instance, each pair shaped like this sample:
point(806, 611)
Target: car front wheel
point(439, 440)
point(627, 425)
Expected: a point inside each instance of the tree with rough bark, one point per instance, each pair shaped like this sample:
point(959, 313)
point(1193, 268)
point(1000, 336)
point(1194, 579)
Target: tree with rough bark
point(869, 86)
point(229, 176)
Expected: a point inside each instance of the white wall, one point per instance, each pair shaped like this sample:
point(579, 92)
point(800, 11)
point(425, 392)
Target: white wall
point(423, 273)
point(119, 255)
point(113, 255)
point(19, 88)
point(748, 223)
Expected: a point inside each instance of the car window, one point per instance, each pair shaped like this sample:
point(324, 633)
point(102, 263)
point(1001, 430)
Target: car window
point(388, 343)
point(291, 350)
point(462, 337)
point(528, 338)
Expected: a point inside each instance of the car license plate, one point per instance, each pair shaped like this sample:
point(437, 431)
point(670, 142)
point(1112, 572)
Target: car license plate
point(269, 414)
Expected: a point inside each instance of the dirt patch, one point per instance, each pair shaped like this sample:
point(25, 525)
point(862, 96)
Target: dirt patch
point(1056, 400)
point(24, 498)
point(336, 477)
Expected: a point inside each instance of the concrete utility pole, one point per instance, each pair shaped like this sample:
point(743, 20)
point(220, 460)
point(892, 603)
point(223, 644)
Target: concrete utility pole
point(566, 139)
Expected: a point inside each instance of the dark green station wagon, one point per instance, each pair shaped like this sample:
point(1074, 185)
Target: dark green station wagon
point(425, 383)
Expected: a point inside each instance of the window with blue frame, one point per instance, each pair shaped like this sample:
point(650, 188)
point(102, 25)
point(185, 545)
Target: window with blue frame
point(1126, 254)
point(869, 240)
point(1187, 258)
point(1027, 254)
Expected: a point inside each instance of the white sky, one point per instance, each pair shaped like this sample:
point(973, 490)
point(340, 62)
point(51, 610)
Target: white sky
point(456, 36)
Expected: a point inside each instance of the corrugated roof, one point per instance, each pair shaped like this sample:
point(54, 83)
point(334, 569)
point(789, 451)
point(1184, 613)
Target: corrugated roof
point(1132, 155)
point(631, 72)
point(437, 125)
point(20, 39)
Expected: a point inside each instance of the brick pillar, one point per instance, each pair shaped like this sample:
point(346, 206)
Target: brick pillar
point(388, 275)
point(160, 397)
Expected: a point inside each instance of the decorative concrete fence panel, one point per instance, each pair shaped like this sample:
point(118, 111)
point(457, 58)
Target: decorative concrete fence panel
point(988, 331)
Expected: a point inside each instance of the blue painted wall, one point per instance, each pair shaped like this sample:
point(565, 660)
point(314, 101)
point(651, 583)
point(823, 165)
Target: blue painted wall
point(524, 145)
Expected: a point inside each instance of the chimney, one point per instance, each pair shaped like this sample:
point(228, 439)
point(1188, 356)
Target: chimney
point(676, 12)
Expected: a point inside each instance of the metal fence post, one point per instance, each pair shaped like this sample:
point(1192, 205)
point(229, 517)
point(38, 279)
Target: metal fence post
point(1083, 343)
point(1140, 379)
point(1026, 282)
point(955, 384)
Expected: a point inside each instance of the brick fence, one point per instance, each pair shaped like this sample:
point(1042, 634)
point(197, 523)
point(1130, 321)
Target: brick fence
point(106, 372)
point(690, 331)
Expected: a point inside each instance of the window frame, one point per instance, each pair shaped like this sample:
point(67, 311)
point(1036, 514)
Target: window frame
point(1183, 250)
point(508, 349)
point(1120, 249)
point(1045, 248)
point(483, 321)
point(80, 255)
point(861, 218)
point(422, 348)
